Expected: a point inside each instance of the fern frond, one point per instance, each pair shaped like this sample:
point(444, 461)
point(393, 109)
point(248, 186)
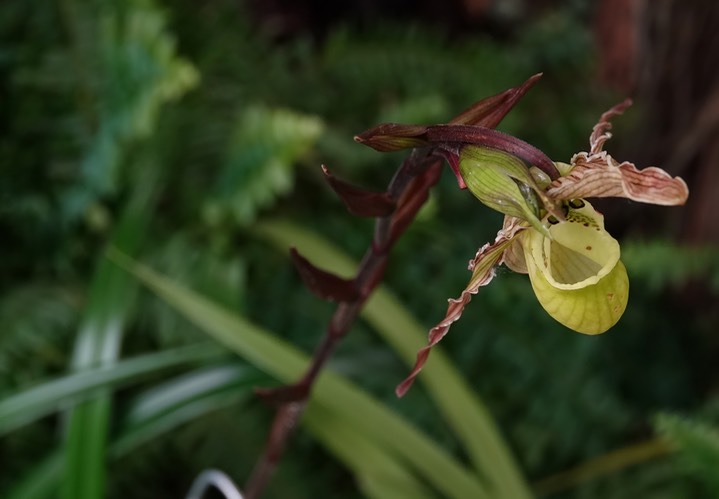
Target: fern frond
point(138, 70)
point(698, 445)
point(263, 148)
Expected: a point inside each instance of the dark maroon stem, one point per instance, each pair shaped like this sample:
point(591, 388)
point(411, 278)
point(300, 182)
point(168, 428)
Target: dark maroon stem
point(409, 190)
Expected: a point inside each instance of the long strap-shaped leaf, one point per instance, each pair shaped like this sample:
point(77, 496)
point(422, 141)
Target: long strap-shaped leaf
point(163, 408)
point(97, 344)
point(43, 399)
point(174, 403)
point(357, 410)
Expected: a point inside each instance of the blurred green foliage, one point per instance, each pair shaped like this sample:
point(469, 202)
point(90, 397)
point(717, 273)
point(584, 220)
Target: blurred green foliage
point(698, 444)
point(193, 120)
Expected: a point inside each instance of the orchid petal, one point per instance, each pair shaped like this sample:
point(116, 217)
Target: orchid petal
point(576, 274)
point(600, 132)
point(513, 256)
point(599, 175)
point(482, 267)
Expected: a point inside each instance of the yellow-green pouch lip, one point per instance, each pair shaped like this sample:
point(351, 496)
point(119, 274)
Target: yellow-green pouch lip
point(576, 274)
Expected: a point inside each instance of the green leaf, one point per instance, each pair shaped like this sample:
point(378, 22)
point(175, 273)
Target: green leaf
point(379, 474)
point(98, 341)
point(42, 481)
point(154, 413)
point(168, 405)
point(604, 465)
point(698, 446)
point(192, 395)
point(356, 409)
point(140, 72)
point(51, 396)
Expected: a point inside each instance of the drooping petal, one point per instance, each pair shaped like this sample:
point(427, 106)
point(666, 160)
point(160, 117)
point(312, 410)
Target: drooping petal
point(482, 267)
point(576, 274)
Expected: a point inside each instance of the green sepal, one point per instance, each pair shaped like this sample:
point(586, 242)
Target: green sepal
point(503, 182)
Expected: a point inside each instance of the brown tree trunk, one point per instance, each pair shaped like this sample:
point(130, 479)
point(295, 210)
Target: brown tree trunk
point(668, 51)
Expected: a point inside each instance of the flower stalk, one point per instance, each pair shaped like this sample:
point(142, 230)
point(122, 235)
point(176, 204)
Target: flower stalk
point(550, 232)
point(394, 210)
point(407, 192)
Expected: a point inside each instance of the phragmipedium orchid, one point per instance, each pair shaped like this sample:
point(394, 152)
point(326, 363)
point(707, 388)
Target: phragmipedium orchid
point(572, 261)
point(550, 231)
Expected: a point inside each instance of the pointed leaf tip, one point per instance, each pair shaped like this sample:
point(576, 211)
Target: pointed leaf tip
point(360, 202)
point(489, 112)
point(388, 137)
point(323, 284)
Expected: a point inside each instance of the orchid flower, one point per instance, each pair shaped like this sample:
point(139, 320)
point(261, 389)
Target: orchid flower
point(551, 232)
